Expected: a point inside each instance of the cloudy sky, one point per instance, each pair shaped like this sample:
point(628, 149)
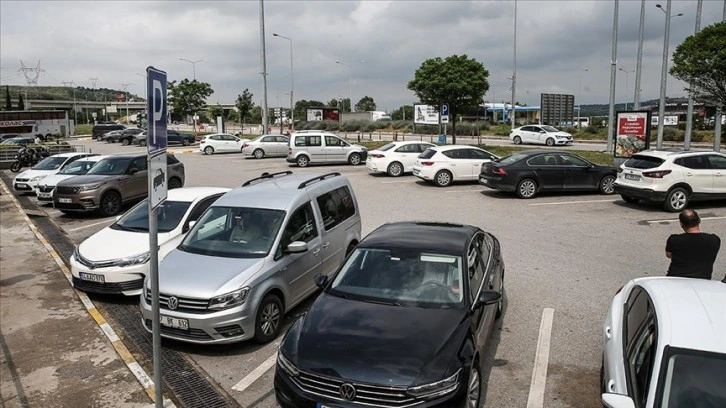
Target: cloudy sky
point(384, 42)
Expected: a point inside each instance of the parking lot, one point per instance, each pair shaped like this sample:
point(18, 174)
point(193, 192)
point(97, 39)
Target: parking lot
point(566, 255)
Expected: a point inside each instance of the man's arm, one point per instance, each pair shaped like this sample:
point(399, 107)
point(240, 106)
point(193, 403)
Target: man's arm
point(669, 247)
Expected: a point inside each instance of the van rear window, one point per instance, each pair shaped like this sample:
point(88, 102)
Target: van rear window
point(643, 162)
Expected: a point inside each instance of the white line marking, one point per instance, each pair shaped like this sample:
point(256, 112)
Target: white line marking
point(676, 220)
point(576, 202)
point(255, 374)
point(109, 332)
point(90, 225)
point(541, 359)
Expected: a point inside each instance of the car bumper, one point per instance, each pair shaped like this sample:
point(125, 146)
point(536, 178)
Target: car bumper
point(496, 183)
point(563, 142)
point(25, 186)
point(84, 201)
point(424, 173)
point(290, 159)
point(126, 281)
point(642, 193)
point(373, 166)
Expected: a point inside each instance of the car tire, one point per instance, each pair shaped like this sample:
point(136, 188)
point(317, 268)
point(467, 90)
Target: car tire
point(500, 304)
point(99, 138)
point(350, 249)
point(676, 200)
point(142, 143)
point(473, 388)
point(209, 150)
point(258, 153)
point(630, 200)
point(526, 188)
point(302, 161)
point(443, 178)
point(268, 320)
point(185, 142)
point(517, 140)
point(607, 185)
point(174, 182)
point(125, 142)
point(110, 204)
point(550, 142)
point(395, 169)
point(355, 159)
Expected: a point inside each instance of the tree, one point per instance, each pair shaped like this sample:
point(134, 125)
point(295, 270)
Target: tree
point(8, 102)
point(344, 105)
point(188, 97)
point(365, 104)
point(457, 81)
point(233, 116)
point(255, 115)
point(21, 102)
point(302, 105)
point(700, 61)
point(216, 110)
point(333, 103)
point(398, 114)
point(244, 104)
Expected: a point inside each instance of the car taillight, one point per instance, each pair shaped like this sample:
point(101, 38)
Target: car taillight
point(245, 144)
point(656, 174)
point(202, 141)
point(499, 170)
point(427, 163)
point(377, 156)
point(289, 152)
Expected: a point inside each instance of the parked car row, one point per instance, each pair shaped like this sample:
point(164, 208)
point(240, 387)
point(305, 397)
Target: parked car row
point(136, 136)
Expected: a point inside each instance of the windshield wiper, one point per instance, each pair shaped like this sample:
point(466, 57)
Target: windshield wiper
point(136, 229)
point(382, 302)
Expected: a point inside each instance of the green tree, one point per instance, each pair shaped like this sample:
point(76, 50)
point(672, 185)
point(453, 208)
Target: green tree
point(188, 97)
point(458, 81)
point(365, 104)
point(333, 103)
point(21, 102)
point(8, 102)
point(216, 110)
point(244, 104)
point(233, 116)
point(344, 105)
point(398, 114)
point(700, 60)
point(255, 115)
point(302, 105)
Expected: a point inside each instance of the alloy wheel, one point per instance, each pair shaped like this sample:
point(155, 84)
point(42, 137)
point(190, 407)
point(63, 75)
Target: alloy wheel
point(607, 185)
point(550, 142)
point(527, 188)
point(395, 169)
point(270, 319)
point(474, 388)
point(258, 153)
point(443, 178)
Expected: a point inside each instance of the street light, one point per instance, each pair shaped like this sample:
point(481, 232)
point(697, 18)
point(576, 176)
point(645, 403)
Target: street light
point(579, 91)
point(350, 82)
point(664, 71)
point(292, 83)
point(626, 82)
point(194, 65)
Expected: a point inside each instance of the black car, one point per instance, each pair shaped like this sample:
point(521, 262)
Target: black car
point(404, 322)
point(127, 136)
point(529, 172)
point(101, 129)
point(172, 136)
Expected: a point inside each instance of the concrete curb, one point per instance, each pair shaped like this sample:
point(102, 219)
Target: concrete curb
point(146, 382)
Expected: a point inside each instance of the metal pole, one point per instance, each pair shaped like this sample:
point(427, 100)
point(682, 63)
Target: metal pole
point(638, 67)
point(154, 276)
point(689, 117)
point(292, 87)
point(717, 129)
point(514, 74)
point(663, 76)
point(263, 57)
point(613, 77)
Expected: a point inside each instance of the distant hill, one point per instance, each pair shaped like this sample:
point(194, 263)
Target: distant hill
point(55, 93)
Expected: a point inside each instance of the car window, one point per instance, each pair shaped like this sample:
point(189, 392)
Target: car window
point(429, 153)
point(386, 147)
point(422, 147)
point(300, 227)
point(543, 160)
point(700, 162)
point(168, 216)
point(78, 168)
point(569, 160)
point(138, 163)
point(268, 139)
point(692, 379)
point(333, 141)
point(636, 312)
point(50, 163)
point(717, 162)
point(476, 265)
point(407, 148)
point(282, 139)
point(512, 158)
point(215, 137)
point(308, 141)
point(480, 154)
point(550, 129)
point(202, 206)
point(336, 206)
point(640, 363)
point(456, 154)
point(643, 162)
point(171, 159)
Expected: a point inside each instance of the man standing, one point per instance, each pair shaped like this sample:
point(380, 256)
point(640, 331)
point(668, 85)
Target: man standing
point(692, 253)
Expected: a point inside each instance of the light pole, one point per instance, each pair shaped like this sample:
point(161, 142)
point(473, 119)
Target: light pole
point(292, 82)
point(689, 117)
point(126, 98)
point(579, 92)
point(350, 82)
point(613, 75)
point(514, 73)
point(194, 65)
point(664, 72)
point(626, 82)
point(639, 63)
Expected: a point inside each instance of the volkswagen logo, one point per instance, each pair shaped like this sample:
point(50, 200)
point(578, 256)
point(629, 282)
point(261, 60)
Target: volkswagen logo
point(347, 391)
point(173, 303)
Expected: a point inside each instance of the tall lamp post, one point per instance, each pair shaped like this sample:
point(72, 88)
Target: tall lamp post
point(194, 70)
point(350, 82)
point(514, 71)
point(626, 82)
point(664, 71)
point(689, 116)
point(579, 92)
point(292, 82)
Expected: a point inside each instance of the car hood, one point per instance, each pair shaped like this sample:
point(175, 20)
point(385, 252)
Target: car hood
point(201, 276)
point(110, 244)
point(54, 179)
point(565, 134)
point(86, 179)
point(29, 174)
point(357, 146)
point(376, 343)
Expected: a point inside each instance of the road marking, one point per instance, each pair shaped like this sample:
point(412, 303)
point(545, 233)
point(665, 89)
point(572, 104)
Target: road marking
point(541, 359)
point(90, 225)
point(398, 181)
point(668, 221)
point(576, 202)
point(255, 374)
point(464, 191)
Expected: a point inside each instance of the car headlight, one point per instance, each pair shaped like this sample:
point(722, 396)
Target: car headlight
point(229, 299)
point(286, 365)
point(133, 260)
point(436, 389)
point(36, 178)
point(90, 187)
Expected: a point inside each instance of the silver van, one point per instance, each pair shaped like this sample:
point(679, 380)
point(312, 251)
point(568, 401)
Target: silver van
point(323, 147)
point(252, 256)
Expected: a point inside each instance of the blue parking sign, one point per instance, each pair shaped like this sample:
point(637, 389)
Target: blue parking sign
point(156, 110)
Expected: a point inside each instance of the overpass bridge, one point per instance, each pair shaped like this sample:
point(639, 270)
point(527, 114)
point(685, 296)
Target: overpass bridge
point(110, 107)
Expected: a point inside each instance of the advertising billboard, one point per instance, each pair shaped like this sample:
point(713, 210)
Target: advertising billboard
point(668, 120)
point(425, 114)
point(557, 109)
point(320, 114)
point(632, 134)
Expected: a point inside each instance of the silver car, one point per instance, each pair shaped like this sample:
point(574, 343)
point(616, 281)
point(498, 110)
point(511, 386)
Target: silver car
point(266, 146)
point(252, 256)
point(323, 147)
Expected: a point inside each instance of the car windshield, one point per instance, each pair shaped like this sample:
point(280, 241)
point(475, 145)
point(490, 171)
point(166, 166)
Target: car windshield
point(234, 232)
point(402, 278)
point(78, 167)
point(643, 162)
point(387, 147)
point(513, 158)
point(550, 129)
point(168, 216)
point(50, 163)
point(694, 379)
point(112, 166)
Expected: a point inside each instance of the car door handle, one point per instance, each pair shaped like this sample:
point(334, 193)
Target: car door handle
point(325, 245)
point(316, 252)
point(608, 332)
point(689, 174)
point(719, 175)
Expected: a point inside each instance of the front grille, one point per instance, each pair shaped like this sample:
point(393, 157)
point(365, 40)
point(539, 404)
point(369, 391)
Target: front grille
point(68, 190)
point(192, 334)
point(45, 189)
point(22, 180)
point(107, 288)
point(93, 264)
point(189, 305)
point(366, 394)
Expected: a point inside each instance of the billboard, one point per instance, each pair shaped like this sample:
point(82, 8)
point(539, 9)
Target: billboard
point(632, 134)
point(557, 109)
point(425, 114)
point(668, 120)
point(320, 114)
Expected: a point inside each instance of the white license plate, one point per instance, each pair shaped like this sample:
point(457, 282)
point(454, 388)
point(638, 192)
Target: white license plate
point(21, 185)
point(44, 195)
point(92, 277)
point(65, 200)
point(174, 322)
point(632, 177)
point(323, 406)
point(483, 180)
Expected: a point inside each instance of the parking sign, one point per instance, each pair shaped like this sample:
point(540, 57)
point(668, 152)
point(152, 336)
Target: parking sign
point(156, 106)
point(444, 113)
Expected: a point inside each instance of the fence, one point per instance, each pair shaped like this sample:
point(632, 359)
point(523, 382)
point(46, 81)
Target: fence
point(7, 153)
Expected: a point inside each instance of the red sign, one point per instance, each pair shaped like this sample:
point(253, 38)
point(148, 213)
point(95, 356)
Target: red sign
point(632, 133)
point(632, 126)
point(330, 114)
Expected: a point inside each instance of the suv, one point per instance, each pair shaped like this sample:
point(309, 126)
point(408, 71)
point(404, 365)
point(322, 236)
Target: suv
point(99, 130)
point(323, 147)
point(112, 182)
point(253, 255)
point(673, 178)
point(127, 136)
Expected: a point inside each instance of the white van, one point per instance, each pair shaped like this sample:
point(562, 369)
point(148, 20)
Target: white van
point(323, 147)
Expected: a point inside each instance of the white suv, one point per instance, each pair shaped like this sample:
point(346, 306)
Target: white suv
point(672, 177)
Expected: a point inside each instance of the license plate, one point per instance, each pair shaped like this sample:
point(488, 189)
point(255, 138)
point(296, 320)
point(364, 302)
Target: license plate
point(44, 195)
point(92, 277)
point(65, 200)
point(483, 180)
point(174, 322)
point(323, 406)
point(21, 185)
point(416, 171)
point(632, 177)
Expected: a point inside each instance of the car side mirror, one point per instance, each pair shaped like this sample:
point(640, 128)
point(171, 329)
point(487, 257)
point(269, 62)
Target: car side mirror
point(321, 280)
point(487, 297)
point(297, 247)
point(189, 226)
point(133, 171)
point(617, 401)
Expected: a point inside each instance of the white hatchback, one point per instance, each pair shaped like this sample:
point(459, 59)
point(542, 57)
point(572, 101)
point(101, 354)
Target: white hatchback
point(396, 158)
point(115, 260)
point(445, 164)
point(28, 180)
point(540, 134)
point(664, 344)
point(221, 142)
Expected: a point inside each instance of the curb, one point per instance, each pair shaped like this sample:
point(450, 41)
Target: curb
point(108, 331)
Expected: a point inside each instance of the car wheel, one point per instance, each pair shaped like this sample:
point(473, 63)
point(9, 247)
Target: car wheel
point(443, 178)
point(185, 142)
point(395, 169)
point(628, 199)
point(354, 159)
point(99, 139)
point(268, 320)
point(125, 142)
point(208, 150)
point(258, 153)
point(500, 304)
point(142, 143)
point(302, 161)
point(473, 390)
point(676, 200)
point(517, 140)
point(526, 188)
point(607, 185)
point(175, 182)
point(110, 204)
point(550, 141)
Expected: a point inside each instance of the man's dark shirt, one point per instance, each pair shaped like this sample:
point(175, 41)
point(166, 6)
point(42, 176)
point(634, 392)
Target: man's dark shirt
point(692, 254)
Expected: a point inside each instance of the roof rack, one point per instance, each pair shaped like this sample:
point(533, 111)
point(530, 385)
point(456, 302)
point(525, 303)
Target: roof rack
point(323, 177)
point(265, 176)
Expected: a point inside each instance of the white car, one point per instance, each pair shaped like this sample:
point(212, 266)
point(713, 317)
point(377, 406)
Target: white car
point(445, 164)
point(28, 180)
point(540, 134)
point(673, 178)
point(664, 344)
point(266, 145)
point(115, 260)
point(45, 187)
point(220, 142)
point(396, 158)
